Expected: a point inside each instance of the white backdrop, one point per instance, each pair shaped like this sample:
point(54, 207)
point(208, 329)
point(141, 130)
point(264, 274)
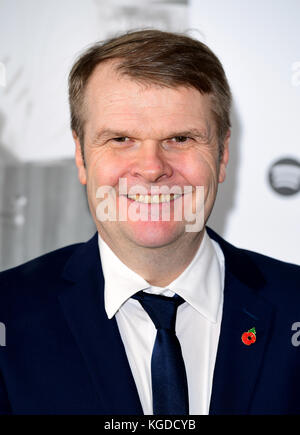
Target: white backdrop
point(258, 42)
point(39, 41)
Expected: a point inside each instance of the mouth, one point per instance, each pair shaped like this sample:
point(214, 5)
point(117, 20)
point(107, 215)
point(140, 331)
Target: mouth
point(154, 199)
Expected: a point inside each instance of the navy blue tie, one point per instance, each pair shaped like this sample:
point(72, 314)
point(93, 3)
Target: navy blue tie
point(169, 382)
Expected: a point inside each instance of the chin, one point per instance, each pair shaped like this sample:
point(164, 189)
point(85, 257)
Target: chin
point(154, 234)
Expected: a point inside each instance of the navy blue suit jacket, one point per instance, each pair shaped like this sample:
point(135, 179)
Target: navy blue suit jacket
point(63, 355)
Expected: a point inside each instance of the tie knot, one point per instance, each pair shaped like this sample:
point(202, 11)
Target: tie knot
point(161, 309)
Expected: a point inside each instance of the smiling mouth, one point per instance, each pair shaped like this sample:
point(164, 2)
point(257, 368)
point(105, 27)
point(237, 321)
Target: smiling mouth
point(154, 199)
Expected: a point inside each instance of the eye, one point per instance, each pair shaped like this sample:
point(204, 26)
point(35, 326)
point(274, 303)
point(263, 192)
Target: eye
point(180, 139)
point(121, 142)
point(179, 142)
point(121, 139)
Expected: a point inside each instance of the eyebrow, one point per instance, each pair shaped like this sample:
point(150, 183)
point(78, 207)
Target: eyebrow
point(102, 134)
point(106, 133)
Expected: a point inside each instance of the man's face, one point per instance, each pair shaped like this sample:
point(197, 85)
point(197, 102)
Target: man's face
point(154, 138)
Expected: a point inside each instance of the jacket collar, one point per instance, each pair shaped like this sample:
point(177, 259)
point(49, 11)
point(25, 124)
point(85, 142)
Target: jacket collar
point(98, 338)
point(238, 366)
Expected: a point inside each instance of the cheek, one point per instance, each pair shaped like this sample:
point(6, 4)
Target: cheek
point(200, 171)
point(104, 170)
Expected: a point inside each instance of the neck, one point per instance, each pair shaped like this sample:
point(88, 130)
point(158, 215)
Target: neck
point(158, 266)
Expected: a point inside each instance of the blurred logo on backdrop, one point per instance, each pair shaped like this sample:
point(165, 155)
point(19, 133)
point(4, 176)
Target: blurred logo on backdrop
point(284, 176)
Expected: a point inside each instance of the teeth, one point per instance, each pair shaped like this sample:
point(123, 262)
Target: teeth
point(154, 199)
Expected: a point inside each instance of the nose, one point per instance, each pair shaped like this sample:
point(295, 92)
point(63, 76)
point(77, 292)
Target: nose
point(150, 163)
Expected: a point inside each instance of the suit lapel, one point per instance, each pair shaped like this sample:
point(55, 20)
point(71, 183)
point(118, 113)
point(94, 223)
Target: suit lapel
point(98, 337)
point(237, 365)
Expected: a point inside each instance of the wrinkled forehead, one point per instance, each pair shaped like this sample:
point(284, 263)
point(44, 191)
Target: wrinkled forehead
point(111, 91)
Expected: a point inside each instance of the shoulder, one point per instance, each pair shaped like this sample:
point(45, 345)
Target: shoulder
point(273, 267)
point(244, 257)
point(281, 279)
point(40, 274)
point(51, 261)
point(274, 278)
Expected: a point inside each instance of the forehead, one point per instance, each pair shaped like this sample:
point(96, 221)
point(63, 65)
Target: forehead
point(111, 96)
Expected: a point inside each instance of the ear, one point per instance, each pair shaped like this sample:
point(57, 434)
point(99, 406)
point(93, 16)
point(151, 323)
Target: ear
point(79, 159)
point(225, 158)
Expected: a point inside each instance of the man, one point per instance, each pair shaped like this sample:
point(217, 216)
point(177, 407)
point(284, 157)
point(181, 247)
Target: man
point(86, 325)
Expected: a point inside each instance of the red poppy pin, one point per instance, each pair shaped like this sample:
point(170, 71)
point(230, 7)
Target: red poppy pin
point(249, 337)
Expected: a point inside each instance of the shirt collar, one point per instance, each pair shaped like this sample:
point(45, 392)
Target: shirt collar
point(120, 281)
point(200, 284)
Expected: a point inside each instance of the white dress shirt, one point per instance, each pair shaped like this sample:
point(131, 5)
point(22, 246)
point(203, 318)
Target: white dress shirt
point(198, 320)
